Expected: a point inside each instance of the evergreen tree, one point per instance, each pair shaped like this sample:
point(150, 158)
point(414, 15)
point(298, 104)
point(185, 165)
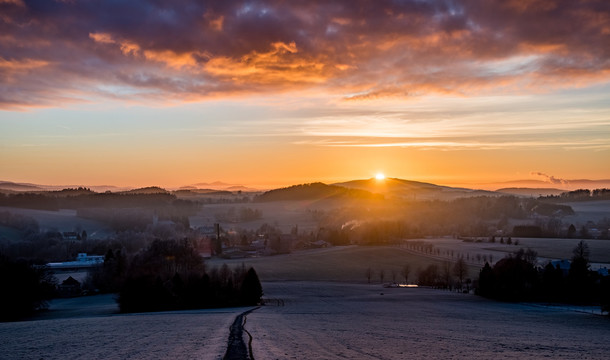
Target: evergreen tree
point(251, 288)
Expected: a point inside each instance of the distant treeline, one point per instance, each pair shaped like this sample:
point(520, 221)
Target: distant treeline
point(171, 275)
point(55, 201)
point(580, 195)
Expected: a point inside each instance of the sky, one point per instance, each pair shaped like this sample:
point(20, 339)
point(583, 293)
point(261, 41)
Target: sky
point(274, 93)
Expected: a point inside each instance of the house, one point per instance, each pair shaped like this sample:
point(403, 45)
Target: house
point(563, 265)
point(69, 288)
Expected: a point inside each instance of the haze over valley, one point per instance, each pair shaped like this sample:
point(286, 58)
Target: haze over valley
point(315, 179)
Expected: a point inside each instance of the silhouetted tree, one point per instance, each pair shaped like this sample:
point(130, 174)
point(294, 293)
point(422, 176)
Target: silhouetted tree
point(251, 290)
point(486, 281)
point(514, 279)
point(580, 281)
point(446, 275)
point(581, 251)
point(460, 269)
point(428, 276)
point(406, 270)
point(369, 274)
point(25, 289)
point(571, 231)
point(551, 283)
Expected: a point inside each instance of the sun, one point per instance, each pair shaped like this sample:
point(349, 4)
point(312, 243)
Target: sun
point(379, 176)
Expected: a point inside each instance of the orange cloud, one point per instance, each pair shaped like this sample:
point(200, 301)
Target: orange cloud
point(21, 65)
point(378, 49)
point(281, 64)
point(103, 38)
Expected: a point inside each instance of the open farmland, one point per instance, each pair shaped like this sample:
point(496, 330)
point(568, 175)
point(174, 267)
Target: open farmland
point(344, 263)
point(349, 263)
point(200, 334)
point(318, 320)
point(547, 248)
point(351, 321)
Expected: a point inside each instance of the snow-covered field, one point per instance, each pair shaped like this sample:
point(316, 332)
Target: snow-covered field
point(73, 330)
point(351, 321)
point(319, 320)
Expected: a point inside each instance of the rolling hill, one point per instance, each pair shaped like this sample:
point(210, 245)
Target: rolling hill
point(315, 191)
point(407, 189)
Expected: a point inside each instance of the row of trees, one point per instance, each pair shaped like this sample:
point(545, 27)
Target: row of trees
point(516, 278)
point(86, 199)
point(447, 276)
point(171, 275)
point(581, 195)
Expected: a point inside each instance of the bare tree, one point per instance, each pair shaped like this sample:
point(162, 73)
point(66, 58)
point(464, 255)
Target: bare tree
point(369, 274)
point(581, 250)
point(460, 269)
point(382, 275)
point(446, 274)
point(406, 270)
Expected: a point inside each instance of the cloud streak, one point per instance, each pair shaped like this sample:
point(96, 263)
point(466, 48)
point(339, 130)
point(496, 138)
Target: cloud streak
point(53, 52)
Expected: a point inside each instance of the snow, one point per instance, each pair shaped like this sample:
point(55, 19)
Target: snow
point(333, 320)
point(319, 320)
point(67, 333)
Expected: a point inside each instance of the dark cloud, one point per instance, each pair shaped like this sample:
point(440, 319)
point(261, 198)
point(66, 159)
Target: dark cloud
point(54, 51)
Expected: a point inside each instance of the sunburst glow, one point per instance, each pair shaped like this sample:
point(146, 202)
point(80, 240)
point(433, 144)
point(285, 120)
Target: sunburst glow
point(379, 176)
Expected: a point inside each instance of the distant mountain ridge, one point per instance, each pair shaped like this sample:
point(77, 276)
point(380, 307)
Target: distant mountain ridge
point(11, 186)
point(408, 189)
point(218, 185)
point(21, 187)
point(388, 188)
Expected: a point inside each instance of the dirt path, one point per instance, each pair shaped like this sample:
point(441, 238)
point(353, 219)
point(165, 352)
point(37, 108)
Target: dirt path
point(236, 348)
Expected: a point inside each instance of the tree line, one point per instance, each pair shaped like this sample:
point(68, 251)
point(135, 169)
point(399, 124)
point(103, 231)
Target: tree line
point(171, 275)
point(516, 278)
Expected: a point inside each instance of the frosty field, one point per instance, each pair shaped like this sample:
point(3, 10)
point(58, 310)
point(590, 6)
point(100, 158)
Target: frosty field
point(319, 320)
point(198, 334)
point(350, 321)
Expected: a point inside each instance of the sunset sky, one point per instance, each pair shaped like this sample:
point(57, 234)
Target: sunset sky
point(275, 93)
